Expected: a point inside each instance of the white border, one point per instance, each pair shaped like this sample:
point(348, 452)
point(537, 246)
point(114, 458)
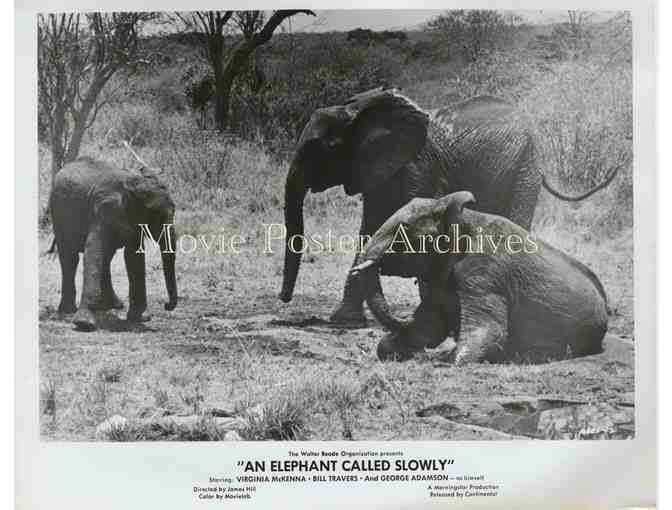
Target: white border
point(550, 474)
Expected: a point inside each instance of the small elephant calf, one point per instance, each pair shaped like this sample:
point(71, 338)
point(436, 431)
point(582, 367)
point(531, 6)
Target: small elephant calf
point(502, 293)
point(97, 208)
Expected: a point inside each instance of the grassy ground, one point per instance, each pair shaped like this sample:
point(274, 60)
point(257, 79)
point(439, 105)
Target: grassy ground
point(234, 344)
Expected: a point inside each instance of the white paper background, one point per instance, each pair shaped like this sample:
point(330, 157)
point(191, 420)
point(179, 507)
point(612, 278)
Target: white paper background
point(549, 474)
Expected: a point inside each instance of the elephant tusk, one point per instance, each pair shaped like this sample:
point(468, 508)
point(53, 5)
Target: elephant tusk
point(361, 267)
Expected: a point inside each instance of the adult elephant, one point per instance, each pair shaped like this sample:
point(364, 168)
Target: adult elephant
point(502, 292)
point(97, 208)
point(384, 146)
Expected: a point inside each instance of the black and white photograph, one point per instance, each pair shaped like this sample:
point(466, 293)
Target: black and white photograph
point(335, 225)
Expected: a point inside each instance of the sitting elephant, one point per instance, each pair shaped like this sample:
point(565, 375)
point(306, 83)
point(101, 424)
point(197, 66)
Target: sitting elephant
point(503, 293)
point(96, 209)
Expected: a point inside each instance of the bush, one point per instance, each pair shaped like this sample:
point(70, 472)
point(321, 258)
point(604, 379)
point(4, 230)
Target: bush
point(580, 112)
point(303, 76)
point(584, 131)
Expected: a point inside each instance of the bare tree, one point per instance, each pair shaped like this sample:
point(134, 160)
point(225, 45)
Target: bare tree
point(77, 56)
point(256, 29)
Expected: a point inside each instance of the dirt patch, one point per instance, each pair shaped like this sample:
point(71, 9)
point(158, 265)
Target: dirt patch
point(552, 417)
point(300, 323)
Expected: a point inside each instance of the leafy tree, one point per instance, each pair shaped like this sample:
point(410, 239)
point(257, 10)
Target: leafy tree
point(469, 33)
point(305, 72)
point(256, 29)
point(78, 54)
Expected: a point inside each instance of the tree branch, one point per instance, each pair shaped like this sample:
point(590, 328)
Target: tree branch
point(273, 22)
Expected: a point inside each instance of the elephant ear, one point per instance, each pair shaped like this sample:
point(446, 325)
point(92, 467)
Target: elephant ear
point(417, 217)
point(387, 131)
point(427, 216)
point(149, 193)
point(450, 207)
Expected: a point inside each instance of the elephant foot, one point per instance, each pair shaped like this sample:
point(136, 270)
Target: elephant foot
point(348, 317)
point(434, 343)
point(390, 349)
point(84, 319)
point(137, 317)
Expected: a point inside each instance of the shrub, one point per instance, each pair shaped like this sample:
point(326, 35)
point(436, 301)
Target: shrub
point(580, 112)
point(279, 419)
point(584, 131)
point(302, 76)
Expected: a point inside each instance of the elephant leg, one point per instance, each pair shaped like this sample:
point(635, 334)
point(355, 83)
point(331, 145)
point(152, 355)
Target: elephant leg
point(95, 252)
point(69, 260)
point(137, 293)
point(350, 312)
point(110, 298)
point(446, 301)
point(445, 305)
point(483, 331)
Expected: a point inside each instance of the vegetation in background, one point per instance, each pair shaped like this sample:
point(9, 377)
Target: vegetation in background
point(255, 29)
point(470, 34)
point(78, 54)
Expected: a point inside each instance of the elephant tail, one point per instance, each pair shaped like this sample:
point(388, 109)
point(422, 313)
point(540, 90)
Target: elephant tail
point(577, 198)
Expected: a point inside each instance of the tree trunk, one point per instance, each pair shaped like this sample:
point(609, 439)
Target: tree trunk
point(79, 121)
point(56, 157)
point(81, 117)
point(238, 59)
point(57, 141)
point(223, 85)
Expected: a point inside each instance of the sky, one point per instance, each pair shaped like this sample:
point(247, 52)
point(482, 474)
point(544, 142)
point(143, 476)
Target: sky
point(343, 20)
point(393, 19)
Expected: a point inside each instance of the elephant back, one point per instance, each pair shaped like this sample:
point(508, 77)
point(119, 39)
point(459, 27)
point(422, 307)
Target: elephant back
point(478, 110)
point(88, 172)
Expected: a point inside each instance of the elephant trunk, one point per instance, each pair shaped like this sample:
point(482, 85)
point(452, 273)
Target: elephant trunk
point(369, 280)
point(168, 260)
point(367, 269)
point(295, 192)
